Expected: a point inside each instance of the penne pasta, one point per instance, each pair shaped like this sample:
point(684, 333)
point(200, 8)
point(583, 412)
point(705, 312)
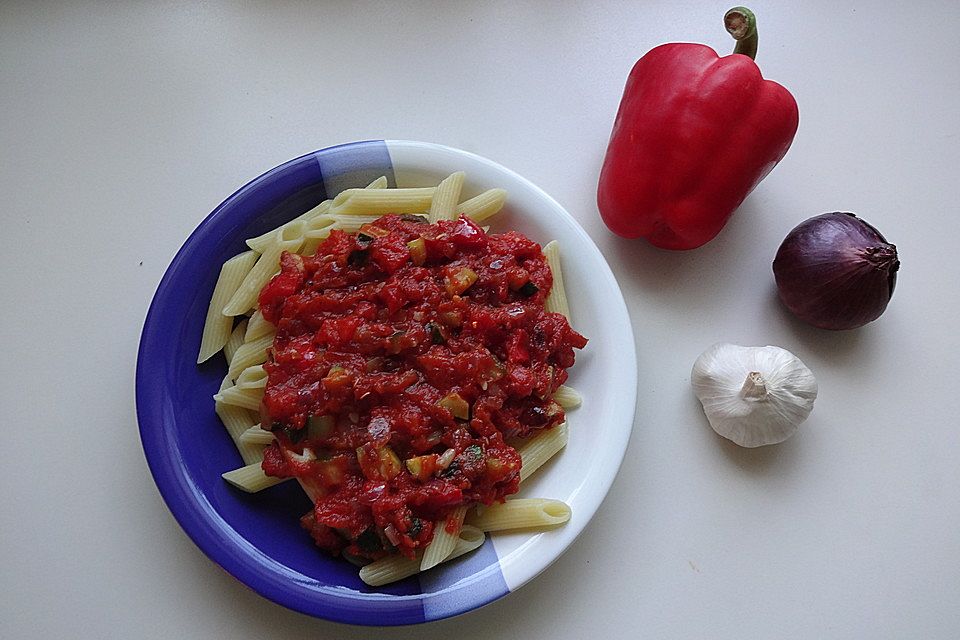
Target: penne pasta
point(540, 448)
point(256, 436)
point(521, 513)
point(444, 204)
point(237, 421)
point(261, 242)
point(379, 183)
point(557, 299)
point(394, 568)
point(249, 354)
point(216, 328)
point(383, 201)
point(443, 539)
point(235, 341)
point(315, 232)
point(251, 478)
point(480, 208)
point(567, 397)
point(257, 327)
point(245, 398)
point(310, 246)
point(288, 238)
point(252, 378)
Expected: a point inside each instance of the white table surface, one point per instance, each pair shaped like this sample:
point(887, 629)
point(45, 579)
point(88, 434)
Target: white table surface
point(123, 124)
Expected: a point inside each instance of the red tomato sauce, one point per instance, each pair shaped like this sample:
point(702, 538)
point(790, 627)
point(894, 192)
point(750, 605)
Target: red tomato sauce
point(407, 356)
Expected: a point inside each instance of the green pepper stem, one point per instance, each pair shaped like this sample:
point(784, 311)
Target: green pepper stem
point(742, 25)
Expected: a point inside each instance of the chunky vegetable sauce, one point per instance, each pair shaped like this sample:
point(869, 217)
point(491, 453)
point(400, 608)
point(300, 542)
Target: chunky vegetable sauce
point(406, 356)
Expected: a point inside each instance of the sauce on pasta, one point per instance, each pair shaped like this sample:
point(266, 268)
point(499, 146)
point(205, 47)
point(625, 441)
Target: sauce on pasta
point(407, 356)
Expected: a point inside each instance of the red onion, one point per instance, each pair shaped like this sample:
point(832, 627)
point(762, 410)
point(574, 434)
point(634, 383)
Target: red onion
point(835, 271)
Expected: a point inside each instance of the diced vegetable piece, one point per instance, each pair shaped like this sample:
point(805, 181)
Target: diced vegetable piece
point(436, 333)
point(495, 467)
point(378, 463)
point(319, 426)
point(369, 541)
point(418, 251)
point(295, 435)
point(518, 277)
point(374, 231)
point(528, 289)
point(451, 318)
point(358, 258)
point(433, 438)
point(446, 458)
point(396, 342)
point(332, 471)
point(337, 378)
point(461, 281)
point(390, 532)
point(416, 526)
point(474, 453)
point(422, 467)
point(364, 240)
point(455, 404)
point(307, 457)
point(496, 371)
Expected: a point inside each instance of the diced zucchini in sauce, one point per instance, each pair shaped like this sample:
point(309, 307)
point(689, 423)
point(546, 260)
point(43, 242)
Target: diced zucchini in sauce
point(319, 426)
point(373, 231)
point(436, 333)
point(528, 289)
point(378, 463)
point(461, 281)
point(418, 251)
point(422, 467)
point(455, 404)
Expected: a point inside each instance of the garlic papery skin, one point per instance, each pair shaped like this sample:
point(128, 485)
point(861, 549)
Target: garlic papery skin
point(754, 396)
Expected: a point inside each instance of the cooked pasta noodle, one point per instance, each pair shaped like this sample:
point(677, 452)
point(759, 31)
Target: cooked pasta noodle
point(394, 568)
point(235, 341)
point(288, 238)
point(557, 299)
point(257, 327)
point(249, 354)
point(383, 201)
point(567, 397)
point(261, 242)
point(246, 398)
point(379, 183)
point(521, 513)
point(251, 478)
point(444, 204)
point(444, 539)
point(540, 448)
point(255, 435)
point(253, 377)
point(216, 328)
point(484, 206)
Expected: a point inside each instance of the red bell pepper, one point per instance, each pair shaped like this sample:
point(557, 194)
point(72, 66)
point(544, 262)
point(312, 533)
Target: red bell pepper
point(694, 135)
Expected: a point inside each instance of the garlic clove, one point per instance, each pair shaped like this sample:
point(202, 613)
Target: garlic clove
point(754, 396)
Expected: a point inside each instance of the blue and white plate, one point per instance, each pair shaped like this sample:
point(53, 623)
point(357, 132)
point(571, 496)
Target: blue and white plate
point(257, 538)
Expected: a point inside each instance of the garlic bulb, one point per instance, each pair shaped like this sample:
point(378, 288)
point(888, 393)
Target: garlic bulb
point(753, 395)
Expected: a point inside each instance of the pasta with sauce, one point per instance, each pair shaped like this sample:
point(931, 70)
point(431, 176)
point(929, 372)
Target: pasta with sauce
point(407, 369)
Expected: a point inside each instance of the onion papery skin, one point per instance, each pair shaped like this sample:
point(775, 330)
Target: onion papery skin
point(836, 271)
